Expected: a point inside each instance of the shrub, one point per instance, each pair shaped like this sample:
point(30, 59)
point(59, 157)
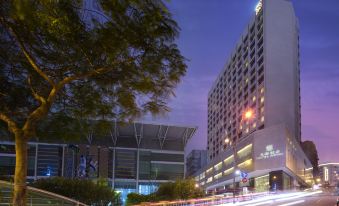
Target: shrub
point(180, 189)
point(85, 191)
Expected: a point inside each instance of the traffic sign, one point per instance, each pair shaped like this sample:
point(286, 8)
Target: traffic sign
point(244, 180)
point(244, 175)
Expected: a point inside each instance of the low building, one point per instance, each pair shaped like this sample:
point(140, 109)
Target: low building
point(270, 159)
point(195, 160)
point(135, 157)
point(329, 174)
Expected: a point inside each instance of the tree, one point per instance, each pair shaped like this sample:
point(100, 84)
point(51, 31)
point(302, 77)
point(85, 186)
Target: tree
point(81, 190)
point(312, 154)
point(55, 64)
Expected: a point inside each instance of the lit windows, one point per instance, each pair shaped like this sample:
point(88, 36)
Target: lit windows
point(245, 164)
point(209, 170)
point(218, 166)
point(254, 125)
point(254, 98)
point(262, 99)
point(262, 119)
point(217, 176)
point(209, 179)
point(228, 171)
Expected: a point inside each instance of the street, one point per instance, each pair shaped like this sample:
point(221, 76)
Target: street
point(318, 200)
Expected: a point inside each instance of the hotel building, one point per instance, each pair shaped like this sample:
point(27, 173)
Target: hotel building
point(262, 75)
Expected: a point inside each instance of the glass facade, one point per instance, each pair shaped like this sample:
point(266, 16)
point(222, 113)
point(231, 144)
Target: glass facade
point(124, 173)
point(148, 188)
point(125, 164)
point(124, 188)
point(261, 184)
point(7, 159)
point(145, 165)
point(167, 171)
point(49, 160)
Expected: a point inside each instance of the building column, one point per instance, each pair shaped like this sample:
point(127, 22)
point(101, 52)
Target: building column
point(137, 174)
point(63, 161)
point(36, 162)
point(113, 167)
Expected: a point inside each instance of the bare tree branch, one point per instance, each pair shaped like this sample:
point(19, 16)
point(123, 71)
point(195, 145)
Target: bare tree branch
point(12, 126)
point(35, 94)
point(29, 57)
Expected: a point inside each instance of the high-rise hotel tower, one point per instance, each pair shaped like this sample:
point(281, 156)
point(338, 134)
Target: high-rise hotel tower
point(262, 75)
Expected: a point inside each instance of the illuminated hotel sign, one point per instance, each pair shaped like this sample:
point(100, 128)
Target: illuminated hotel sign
point(270, 153)
point(258, 7)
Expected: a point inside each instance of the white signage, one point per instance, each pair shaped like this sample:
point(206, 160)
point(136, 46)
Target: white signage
point(270, 153)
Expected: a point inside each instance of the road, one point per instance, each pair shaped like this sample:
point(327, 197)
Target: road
point(317, 200)
point(307, 198)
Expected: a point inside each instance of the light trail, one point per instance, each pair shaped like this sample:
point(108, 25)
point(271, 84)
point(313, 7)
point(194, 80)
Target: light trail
point(293, 203)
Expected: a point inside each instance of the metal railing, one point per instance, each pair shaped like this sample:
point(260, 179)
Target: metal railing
point(35, 197)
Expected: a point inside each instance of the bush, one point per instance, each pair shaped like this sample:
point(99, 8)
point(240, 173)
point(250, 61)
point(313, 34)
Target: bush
point(178, 190)
point(84, 191)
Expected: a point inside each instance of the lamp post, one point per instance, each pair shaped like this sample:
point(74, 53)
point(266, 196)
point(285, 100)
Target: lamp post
point(247, 115)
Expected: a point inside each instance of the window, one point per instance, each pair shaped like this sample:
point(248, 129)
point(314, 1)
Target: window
point(254, 98)
point(209, 179)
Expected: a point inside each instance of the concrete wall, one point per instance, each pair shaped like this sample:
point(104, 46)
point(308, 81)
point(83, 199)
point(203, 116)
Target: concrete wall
point(282, 96)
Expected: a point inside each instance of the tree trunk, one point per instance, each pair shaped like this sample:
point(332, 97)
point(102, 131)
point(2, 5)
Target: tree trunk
point(19, 196)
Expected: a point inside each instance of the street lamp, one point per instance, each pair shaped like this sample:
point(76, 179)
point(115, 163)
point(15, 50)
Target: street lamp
point(237, 172)
point(246, 116)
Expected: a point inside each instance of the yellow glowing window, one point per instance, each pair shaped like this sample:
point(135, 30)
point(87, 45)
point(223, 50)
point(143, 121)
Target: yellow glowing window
point(228, 160)
point(247, 130)
point(262, 119)
point(218, 166)
point(254, 98)
point(209, 179)
point(228, 171)
point(245, 149)
point(246, 80)
point(262, 109)
point(218, 175)
point(262, 90)
point(254, 125)
point(209, 170)
point(245, 163)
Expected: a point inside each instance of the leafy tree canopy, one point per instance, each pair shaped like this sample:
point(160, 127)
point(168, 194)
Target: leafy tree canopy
point(312, 154)
point(60, 60)
point(118, 64)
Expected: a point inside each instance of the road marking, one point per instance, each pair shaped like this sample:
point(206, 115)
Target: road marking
point(292, 203)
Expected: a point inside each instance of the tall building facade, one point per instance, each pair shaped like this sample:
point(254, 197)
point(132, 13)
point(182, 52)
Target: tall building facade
point(262, 75)
point(135, 157)
point(329, 174)
point(195, 160)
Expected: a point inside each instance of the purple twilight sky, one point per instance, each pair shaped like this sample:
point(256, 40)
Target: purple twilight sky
point(209, 32)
